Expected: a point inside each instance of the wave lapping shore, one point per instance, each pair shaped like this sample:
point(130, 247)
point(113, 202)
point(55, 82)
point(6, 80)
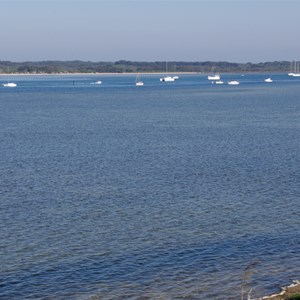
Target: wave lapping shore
point(289, 292)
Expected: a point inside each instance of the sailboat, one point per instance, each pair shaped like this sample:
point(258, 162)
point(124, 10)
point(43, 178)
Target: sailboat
point(9, 84)
point(296, 69)
point(138, 82)
point(214, 76)
point(296, 74)
point(291, 73)
point(168, 78)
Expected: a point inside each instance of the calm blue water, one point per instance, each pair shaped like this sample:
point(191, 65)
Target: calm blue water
point(158, 192)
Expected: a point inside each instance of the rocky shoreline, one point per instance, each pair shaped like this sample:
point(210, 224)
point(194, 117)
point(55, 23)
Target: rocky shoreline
point(291, 292)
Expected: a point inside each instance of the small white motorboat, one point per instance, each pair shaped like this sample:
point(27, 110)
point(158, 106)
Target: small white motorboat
point(97, 82)
point(167, 79)
point(233, 82)
point(268, 80)
point(219, 82)
point(9, 84)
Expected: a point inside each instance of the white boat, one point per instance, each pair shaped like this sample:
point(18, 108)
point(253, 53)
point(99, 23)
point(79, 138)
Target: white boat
point(268, 80)
point(97, 82)
point(219, 82)
point(233, 82)
point(214, 77)
point(296, 74)
point(295, 66)
point(9, 84)
point(291, 73)
point(138, 82)
point(167, 78)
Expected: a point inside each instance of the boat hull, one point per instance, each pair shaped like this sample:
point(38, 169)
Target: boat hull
point(9, 84)
point(167, 79)
point(214, 77)
point(233, 82)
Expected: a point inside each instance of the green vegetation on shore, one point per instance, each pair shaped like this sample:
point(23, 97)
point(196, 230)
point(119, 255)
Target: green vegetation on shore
point(294, 297)
point(123, 66)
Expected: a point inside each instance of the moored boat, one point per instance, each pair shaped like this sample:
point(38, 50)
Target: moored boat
point(138, 82)
point(219, 82)
point(233, 82)
point(97, 82)
point(167, 78)
point(9, 84)
point(214, 77)
point(268, 80)
point(295, 68)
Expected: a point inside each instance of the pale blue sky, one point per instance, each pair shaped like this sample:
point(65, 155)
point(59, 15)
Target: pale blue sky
point(150, 30)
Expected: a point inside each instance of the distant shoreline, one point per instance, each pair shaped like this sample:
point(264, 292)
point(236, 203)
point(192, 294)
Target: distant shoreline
point(154, 67)
point(134, 73)
point(101, 74)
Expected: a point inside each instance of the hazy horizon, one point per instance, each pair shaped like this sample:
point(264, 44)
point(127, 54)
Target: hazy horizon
point(238, 31)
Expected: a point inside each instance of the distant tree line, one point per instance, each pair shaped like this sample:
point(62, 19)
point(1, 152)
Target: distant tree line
point(124, 66)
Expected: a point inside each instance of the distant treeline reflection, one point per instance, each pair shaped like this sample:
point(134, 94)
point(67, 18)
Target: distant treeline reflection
point(124, 66)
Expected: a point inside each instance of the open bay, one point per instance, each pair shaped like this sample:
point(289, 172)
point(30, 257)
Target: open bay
point(164, 191)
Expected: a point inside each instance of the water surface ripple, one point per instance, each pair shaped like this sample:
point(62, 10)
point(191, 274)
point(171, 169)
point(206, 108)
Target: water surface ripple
point(159, 192)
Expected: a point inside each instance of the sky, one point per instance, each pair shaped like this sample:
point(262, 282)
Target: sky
point(150, 30)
